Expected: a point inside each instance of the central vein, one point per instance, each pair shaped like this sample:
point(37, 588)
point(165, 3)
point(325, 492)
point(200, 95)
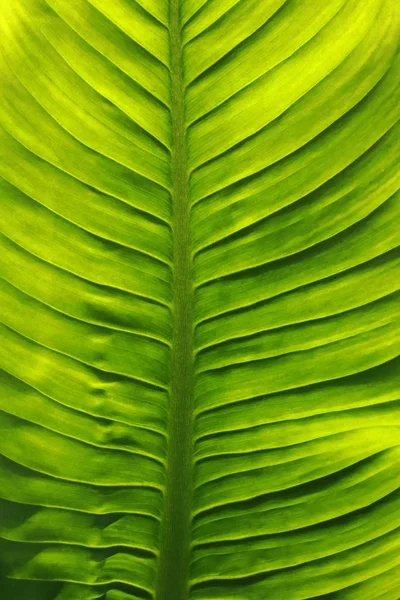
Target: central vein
point(175, 536)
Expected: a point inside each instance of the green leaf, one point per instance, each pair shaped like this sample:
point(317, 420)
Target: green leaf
point(199, 368)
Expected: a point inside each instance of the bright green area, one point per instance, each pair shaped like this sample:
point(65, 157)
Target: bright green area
point(200, 274)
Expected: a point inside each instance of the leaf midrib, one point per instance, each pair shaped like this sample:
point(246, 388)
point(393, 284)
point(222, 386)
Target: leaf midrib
point(175, 532)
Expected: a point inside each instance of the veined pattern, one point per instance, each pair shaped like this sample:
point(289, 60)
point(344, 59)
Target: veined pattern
point(266, 133)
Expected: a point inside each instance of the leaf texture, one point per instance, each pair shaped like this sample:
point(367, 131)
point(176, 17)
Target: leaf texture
point(199, 366)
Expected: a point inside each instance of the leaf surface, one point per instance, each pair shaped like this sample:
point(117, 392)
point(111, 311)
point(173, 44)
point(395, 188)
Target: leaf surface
point(199, 372)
